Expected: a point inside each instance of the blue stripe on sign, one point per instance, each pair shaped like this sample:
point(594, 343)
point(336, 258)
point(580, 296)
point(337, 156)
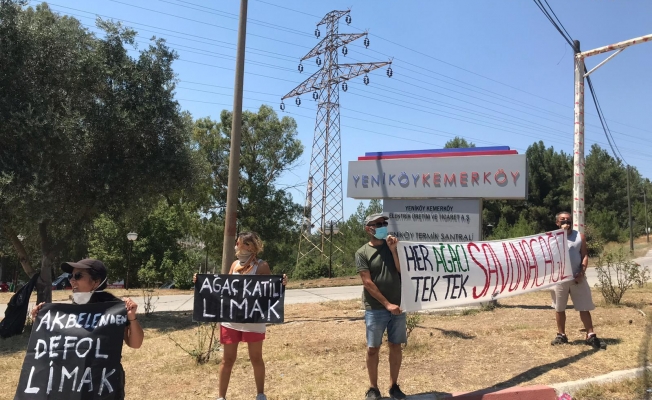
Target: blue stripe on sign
point(434, 151)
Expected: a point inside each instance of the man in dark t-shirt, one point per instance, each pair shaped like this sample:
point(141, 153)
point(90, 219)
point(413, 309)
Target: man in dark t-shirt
point(378, 266)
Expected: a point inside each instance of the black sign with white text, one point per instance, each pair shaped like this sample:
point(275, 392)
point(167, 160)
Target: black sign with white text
point(239, 298)
point(74, 353)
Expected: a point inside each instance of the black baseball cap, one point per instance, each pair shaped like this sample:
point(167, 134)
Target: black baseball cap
point(87, 263)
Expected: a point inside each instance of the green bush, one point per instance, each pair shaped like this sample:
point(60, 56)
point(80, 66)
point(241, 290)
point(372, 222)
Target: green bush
point(616, 274)
point(594, 242)
point(310, 268)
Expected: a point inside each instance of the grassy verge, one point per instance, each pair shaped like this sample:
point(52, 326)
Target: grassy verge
point(630, 389)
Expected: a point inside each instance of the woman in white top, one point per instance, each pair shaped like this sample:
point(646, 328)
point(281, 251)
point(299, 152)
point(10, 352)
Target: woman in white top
point(247, 248)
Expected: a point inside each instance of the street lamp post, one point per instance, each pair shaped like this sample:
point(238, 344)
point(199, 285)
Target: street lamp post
point(647, 229)
point(21, 238)
point(331, 230)
point(131, 236)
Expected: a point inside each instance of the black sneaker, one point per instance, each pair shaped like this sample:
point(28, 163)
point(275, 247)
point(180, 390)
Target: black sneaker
point(597, 343)
point(559, 339)
point(373, 394)
point(396, 393)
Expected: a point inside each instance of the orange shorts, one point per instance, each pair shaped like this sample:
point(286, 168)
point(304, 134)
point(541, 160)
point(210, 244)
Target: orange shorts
point(232, 336)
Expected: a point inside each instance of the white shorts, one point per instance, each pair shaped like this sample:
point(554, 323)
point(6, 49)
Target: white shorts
point(580, 293)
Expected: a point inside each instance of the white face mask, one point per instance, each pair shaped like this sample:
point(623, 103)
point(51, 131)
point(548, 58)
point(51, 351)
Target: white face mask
point(244, 256)
point(85, 297)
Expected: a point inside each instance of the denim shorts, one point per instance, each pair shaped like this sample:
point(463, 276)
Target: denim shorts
point(377, 321)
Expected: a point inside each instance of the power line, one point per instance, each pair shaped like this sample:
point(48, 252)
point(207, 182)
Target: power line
point(401, 125)
point(205, 23)
point(287, 69)
point(272, 66)
point(289, 9)
point(464, 69)
point(226, 14)
point(406, 123)
point(559, 26)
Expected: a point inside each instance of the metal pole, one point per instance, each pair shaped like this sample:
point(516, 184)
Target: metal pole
point(206, 271)
point(629, 212)
point(330, 256)
point(616, 46)
point(131, 247)
point(234, 157)
point(578, 146)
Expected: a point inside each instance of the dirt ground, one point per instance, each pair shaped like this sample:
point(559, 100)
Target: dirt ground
point(319, 352)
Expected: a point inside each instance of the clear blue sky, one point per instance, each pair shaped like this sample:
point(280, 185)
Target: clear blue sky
point(495, 73)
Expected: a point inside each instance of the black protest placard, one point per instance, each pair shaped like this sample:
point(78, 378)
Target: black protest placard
point(239, 298)
point(74, 353)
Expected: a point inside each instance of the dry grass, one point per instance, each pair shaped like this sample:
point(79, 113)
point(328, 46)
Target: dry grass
point(320, 352)
point(630, 389)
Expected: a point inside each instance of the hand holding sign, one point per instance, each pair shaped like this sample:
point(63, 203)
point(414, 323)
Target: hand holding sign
point(392, 242)
point(131, 307)
point(35, 310)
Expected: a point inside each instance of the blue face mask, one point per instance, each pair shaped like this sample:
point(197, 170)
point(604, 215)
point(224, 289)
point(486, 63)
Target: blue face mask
point(381, 233)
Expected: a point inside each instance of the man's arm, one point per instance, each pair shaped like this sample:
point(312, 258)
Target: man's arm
point(392, 243)
point(371, 287)
point(373, 290)
point(362, 265)
point(584, 252)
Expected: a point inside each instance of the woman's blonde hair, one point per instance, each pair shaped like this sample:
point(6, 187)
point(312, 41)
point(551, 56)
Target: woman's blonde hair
point(252, 238)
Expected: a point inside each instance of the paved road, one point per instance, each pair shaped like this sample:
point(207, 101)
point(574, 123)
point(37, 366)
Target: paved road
point(319, 295)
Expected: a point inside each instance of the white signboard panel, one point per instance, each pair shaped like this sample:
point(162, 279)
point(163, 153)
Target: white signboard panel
point(488, 177)
point(434, 220)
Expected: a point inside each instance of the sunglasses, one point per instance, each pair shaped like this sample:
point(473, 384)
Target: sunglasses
point(561, 221)
point(378, 224)
point(76, 276)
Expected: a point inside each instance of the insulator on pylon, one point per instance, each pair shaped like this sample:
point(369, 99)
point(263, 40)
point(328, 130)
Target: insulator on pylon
point(345, 51)
point(317, 33)
point(390, 72)
point(282, 106)
point(366, 79)
point(300, 67)
point(366, 42)
point(318, 61)
point(344, 86)
point(348, 19)
point(315, 95)
point(298, 101)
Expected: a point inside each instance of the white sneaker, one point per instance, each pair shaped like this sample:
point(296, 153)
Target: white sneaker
point(261, 396)
point(221, 398)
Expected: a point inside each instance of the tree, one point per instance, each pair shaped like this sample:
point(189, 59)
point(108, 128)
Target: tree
point(549, 191)
point(269, 148)
point(458, 143)
point(86, 129)
point(605, 194)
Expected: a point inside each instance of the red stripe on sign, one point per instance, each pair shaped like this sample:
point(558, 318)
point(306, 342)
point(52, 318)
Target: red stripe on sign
point(431, 155)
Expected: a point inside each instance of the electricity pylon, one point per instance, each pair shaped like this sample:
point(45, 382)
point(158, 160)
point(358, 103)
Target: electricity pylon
point(324, 201)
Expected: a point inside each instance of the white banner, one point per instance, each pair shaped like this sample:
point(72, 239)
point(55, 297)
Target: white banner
point(438, 275)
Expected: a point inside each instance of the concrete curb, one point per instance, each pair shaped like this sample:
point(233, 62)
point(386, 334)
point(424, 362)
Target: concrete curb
point(571, 387)
point(537, 392)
